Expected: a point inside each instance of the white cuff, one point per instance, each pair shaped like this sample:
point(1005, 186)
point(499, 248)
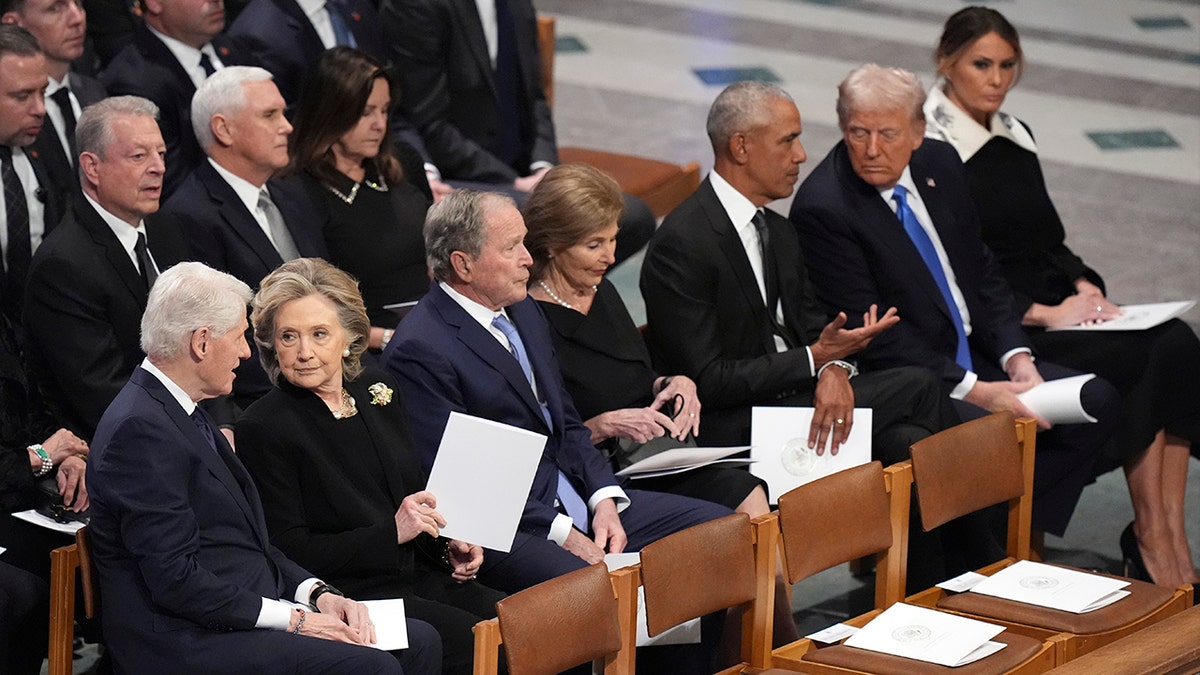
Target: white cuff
point(538, 166)
point(1011, 353)
point(431, 171)
point(964, 387)
point(613, 492)
point(304, 590)
point(560, 529)
point(812, 365)
point(274, 615)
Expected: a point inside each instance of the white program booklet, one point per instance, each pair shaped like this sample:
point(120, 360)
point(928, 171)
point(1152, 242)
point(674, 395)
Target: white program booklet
point(1054, 587)
point(391, 630)
point(1059, 401)
point(686, 633)
point(779, 448)
point(1138, 317)
point(481, 479)
point(678, 460)
point(928, 635)
point(32, 516)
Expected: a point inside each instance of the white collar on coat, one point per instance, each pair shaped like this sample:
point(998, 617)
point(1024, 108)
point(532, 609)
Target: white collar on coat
point(945, 121)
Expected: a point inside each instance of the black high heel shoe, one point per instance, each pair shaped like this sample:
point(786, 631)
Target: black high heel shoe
point(1135, 567)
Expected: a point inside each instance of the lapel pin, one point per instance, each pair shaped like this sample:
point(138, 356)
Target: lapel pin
point(930, 183)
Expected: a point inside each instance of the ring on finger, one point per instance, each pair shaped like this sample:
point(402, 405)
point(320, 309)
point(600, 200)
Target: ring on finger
point(840, 421)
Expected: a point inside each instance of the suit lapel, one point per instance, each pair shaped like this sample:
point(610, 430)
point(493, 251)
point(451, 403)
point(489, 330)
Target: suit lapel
point(467, 18)
point(240, 221)
point(304, 35)
point(155, 51)
point(113, 251)
point(50, 196)
point(402, 475)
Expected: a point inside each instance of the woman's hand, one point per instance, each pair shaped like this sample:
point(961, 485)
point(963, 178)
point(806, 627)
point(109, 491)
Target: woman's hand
point(681, 391)
point(71, 483)
point(1075, 310)
point(465, 558)
point(637, 424)
point(63, 444)
point(417, 514)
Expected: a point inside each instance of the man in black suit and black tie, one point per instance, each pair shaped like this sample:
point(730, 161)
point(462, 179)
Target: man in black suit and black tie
point(89, 280)
point(238, 219)
point(60, 27)
point(179, 45)
point(29, 210)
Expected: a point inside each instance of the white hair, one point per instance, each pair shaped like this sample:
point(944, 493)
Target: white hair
point(222, 93)
point(187, 297)
point(94, 131)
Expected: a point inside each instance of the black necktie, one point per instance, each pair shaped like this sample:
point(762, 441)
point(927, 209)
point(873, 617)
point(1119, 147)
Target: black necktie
point(206, 64)
point(20, 249)
point(149, 273)
point(198, 418)
point(62, 97)
point(770, 276)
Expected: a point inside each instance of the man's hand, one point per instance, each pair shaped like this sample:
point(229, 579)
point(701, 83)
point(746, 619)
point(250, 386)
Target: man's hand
point(417, 514)
point(584, 548)
point(340, 619)
point(1021, 369)
point(835, 342)
point(527, 183)
point(638, 424)
point(439, 189)
point(834, 410)
point(71, 483)
point(466, 559)
point(681, 390)
point(997, 396)
point(606, 526)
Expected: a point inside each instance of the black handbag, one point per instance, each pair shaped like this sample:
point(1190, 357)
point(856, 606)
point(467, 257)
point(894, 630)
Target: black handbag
point(49, 503)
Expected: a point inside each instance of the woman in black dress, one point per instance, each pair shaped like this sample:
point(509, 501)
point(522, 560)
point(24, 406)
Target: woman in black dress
point(1157, 371)
point(342, 490)
point(342, 147)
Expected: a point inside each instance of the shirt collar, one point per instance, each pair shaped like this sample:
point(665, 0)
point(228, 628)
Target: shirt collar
point(177, 392)
point(482, 315)
point(737, 206)
point(906, 180)
point(187, 55)
point(244, 189)
point(947, 122)
point(54, 85)
point(311, 7)
point(125, 233)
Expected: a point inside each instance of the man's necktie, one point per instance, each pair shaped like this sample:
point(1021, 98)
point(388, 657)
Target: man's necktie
point(62, 98)
point(279, 231)
point(149, 272)
point(567, 496)
point(925, 247)
point(341, 29)
point(770, 276)
point(198, 418)
point(207, 64)
point(20, 249)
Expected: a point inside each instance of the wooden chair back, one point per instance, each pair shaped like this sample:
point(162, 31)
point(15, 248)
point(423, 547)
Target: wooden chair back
point(64, 562)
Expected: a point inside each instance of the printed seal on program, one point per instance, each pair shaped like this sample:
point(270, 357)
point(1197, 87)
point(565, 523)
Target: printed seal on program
point(913, 632)
point(1038, 582)
point(797, 458)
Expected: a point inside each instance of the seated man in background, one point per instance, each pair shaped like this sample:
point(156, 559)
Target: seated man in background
point(89, 279)
point(177, 531)
point(889, 218)
point(478, 344)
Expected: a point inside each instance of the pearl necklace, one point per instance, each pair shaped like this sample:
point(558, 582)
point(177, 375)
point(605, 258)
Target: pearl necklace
point(348, 408)
point(554, 296)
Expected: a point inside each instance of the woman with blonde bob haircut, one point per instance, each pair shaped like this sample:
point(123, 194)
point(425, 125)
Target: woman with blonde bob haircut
point(329, 448)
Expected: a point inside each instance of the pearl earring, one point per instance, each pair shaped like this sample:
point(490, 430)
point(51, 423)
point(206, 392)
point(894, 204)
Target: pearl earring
point(346, 352)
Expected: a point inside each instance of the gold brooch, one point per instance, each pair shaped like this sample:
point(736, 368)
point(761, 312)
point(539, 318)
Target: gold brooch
point(381, 394)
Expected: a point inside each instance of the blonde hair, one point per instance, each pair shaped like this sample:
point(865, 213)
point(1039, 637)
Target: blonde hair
point(570, 203)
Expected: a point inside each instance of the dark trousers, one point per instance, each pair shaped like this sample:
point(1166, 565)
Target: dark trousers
point(24, 617)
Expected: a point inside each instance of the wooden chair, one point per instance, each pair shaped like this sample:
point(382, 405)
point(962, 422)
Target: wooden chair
point(989, 461)
point(857, 512)
point(587, 615)
point(64, 561)
point(712, 567)
point(661, 185)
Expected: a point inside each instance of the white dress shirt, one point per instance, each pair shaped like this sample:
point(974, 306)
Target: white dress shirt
point(248, 194)
point(189, 57)
point(35, 207)
point(318, 16)
point(125, 233)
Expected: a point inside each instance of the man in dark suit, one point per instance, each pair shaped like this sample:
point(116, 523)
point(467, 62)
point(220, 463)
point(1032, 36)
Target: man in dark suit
point(749, 329)
point(178, 534)
point(179, 45)
point(89, 280)
point(477, 344)
point(60, 27)
point(237, 218)
point(888, 218)
point(29, 206)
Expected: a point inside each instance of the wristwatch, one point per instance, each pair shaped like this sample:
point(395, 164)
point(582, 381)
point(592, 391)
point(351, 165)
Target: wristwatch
point(321, 589)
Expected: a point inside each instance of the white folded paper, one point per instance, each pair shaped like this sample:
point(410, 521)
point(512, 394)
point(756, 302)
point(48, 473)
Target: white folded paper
point(1054, 587)
point(1059, 400)
point(928, 635)
point(686, 633)
point(391, 629)
point(779, 446)
point(32, 516)
point(481, 479)
point(678, 460)
point(835, 633)
point(1138, 317)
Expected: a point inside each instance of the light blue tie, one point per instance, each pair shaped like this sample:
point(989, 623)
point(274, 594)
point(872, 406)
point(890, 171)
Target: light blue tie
point(925, 247)
point(567, 496)
point(337, 18)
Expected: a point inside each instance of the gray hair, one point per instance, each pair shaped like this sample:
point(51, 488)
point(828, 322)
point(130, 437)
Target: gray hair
point(741, 107)
point(187, 297)
point(874, 88)
point(222, 93)
point(457, 224)
point(94, 133)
